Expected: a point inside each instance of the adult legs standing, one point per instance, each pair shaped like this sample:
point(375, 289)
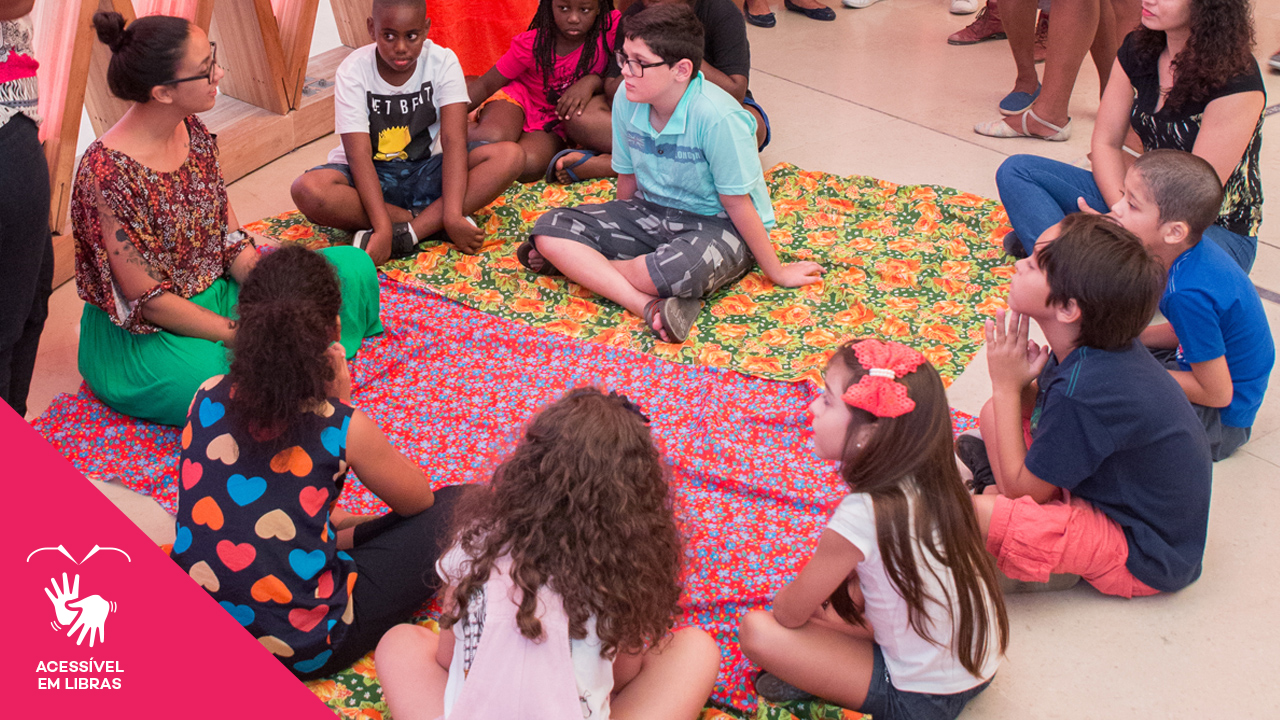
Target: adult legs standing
point(26, 270)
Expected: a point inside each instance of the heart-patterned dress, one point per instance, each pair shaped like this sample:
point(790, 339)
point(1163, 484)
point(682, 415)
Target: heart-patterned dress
point(253, 525)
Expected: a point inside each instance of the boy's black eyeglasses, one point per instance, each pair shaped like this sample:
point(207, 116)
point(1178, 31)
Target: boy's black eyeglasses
point(637, 67)
point(213, 64)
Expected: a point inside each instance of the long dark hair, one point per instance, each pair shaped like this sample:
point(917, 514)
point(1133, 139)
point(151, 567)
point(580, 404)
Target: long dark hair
point(143, 55)
point(913, 454)
point(544, 42)
point(581, 506)
point(288, 318)
point(1220, 48)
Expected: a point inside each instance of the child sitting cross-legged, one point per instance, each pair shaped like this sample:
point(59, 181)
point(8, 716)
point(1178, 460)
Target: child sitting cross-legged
point(403, 172)
point(563, 580)
point(1217, 343)
point(692, 213)
point(547, 78)
point(899, 612)
point(1115, 484)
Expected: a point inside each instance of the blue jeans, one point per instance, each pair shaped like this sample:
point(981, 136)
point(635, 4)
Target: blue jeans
point(1038, 192)
point(886, 702)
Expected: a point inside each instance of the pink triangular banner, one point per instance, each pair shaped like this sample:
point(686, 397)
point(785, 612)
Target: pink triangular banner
point(151, 642)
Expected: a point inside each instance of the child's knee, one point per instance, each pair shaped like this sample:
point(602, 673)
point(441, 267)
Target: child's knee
point(754, 631)
point(308, 192)
point(508, 156)
point(406, 640)
point(698, 649)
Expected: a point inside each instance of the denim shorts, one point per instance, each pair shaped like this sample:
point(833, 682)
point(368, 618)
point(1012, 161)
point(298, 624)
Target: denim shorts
point(885, 702)
point(410, 184)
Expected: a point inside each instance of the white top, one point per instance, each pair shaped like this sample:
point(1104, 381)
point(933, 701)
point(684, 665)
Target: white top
point(403, 121)
point(914, 664)
point(593, 673)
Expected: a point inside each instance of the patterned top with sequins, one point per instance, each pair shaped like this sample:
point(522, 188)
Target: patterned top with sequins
point(177, 221)
point(1177, 128)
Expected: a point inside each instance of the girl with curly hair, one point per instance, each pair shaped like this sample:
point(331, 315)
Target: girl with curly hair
point(265, 453)
point(563, 583)
point(1185, 80)
point(899, 612)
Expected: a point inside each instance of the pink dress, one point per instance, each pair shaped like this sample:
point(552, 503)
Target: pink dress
point(527, 88)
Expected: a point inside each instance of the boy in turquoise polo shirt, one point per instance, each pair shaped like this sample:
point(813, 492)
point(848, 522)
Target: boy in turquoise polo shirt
point(692, 213)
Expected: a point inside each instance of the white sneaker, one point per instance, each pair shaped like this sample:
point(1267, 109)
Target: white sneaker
point(858, 4)
point(964, 7)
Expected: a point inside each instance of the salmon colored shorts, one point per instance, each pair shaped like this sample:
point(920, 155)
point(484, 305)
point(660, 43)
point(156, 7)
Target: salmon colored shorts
point(1030, 541)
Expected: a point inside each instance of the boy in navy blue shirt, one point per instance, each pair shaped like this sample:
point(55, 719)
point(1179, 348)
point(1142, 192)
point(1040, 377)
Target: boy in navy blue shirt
point(1217, 343)
point(1115, 484)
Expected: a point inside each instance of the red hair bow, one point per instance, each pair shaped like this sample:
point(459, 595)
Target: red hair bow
point(878, 392)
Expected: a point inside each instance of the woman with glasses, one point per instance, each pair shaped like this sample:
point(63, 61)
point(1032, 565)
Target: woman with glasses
point(160, 254)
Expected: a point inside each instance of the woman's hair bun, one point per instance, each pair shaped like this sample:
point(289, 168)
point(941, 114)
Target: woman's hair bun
point(110, 29)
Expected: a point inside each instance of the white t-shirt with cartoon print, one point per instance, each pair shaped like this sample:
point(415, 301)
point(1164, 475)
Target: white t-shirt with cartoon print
point(403, 121)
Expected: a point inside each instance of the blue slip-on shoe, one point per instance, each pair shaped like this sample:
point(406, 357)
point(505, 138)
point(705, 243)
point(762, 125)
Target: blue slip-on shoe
point(1016, 102)
point(764, 20)
point(818, 13)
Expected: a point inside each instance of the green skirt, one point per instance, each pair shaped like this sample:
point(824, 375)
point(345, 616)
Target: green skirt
point(154, 376)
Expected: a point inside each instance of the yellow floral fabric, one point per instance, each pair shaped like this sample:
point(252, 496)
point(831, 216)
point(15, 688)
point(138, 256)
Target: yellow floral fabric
point(921, 264)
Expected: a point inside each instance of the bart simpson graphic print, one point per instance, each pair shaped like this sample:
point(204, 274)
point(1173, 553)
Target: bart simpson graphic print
point(400, 125)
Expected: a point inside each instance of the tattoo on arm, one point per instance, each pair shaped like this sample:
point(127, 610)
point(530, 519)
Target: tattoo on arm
point(132, 256)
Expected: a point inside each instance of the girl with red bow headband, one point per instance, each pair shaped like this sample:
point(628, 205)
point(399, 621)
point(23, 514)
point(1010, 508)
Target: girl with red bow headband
point(899, 612)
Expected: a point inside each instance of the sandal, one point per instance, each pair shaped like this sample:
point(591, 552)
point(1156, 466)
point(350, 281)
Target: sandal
point(1001, 129)
point(545, 268)
point(573, 177)
point(677, 315)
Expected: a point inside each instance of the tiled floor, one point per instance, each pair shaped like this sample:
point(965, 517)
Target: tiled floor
point(879, 92)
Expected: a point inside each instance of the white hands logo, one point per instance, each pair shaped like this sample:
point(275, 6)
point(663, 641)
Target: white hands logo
point(89, 614)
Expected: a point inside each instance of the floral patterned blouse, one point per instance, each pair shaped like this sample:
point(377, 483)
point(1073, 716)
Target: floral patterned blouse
point(177, 221)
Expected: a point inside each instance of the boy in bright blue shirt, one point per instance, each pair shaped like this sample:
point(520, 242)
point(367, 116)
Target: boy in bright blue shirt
point(1217, 343)
point(692, 213)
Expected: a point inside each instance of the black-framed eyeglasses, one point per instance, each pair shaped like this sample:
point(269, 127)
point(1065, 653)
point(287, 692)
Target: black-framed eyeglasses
point(213, 65)
point(637, 67)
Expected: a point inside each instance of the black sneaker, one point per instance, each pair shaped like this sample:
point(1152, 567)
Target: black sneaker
point(972, 451)
point(769, 687)
point(1013, 246)
point(403, 243)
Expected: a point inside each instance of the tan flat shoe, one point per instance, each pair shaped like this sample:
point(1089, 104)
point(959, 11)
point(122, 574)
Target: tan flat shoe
point(1001, 129)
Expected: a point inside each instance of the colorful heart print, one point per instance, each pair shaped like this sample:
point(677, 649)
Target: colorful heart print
point(236, 557)
point(314, 663)
point(186, 436)
point(276, 645)
point(205, 577)
point(211, 412)
point(276, 524)
point(312, 499)
point(224, 448)
point(293, 460)
point(207, 512)
point(244, 490)
point(191, 473)
point(306, 564)
point(335, 439)
point(181, 540)
point(304, 619)
point(324, 586)
point(270, 588)
point(242, 613)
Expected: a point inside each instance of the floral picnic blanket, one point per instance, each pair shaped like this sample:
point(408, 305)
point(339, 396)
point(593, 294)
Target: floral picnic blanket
point(453, 388)
point(918, 263)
